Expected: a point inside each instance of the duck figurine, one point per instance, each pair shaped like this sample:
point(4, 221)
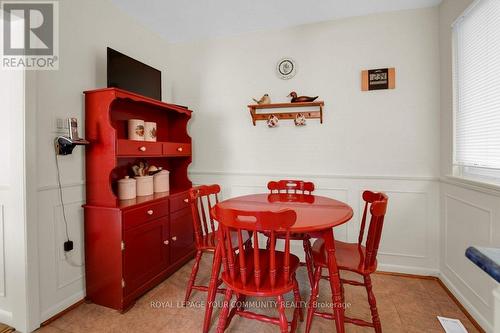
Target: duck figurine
point(263, 100)
point(299, 99)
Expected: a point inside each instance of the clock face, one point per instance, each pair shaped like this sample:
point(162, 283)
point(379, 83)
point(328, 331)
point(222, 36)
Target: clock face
point(286, 68)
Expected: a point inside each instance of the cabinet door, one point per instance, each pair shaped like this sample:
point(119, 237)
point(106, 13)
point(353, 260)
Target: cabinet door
point(145, 253)
point(181, 234)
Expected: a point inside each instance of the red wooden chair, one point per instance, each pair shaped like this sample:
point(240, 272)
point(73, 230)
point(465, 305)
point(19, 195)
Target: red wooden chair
point(202, 199)
point(257, 272)
point(354, 257)
point(296, 187)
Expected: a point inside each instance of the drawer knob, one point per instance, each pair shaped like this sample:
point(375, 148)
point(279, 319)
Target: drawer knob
point(179, 149)
point(186, 200)
point(150, 212)
point(142, 148)
point(166, 242)
point(174, 238)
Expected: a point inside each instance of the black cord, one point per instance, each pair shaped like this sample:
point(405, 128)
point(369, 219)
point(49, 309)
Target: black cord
point(61, 192)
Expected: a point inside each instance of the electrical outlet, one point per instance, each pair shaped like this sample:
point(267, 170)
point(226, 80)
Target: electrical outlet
point(61, 126)
point(60, 123)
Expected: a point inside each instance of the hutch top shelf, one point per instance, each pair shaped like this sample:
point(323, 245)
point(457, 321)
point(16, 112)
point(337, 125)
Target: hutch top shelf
point(111, 154)
point(117, 93)
point(317, 113)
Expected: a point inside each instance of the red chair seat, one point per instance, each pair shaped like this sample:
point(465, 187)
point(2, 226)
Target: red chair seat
point(350, 256)
point(265, 289)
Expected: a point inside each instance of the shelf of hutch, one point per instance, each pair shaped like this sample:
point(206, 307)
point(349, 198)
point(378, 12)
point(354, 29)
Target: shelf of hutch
point(310, 114)
point(132, 245)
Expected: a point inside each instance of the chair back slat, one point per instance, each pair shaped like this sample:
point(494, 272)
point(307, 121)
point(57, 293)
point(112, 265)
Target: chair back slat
point(290, 186)
point(209, 203)
point(272, 259)
point(240, 222)
point(256, 255)
point(286, 267)
point(376, 203)
point(243, 266)
point(230, 254)
point(363, 224)
point(200, 199)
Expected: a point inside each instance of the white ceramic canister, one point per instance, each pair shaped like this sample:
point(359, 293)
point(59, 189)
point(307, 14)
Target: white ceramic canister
point(144, 185)
point(162, 181)
point(126, 188)
point(136, 129)
point(149, 131)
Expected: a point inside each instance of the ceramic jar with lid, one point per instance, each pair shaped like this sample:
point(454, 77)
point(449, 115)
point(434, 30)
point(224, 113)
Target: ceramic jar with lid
point(149, 131)
point(126, 188)
point(144, 185)
point(162, 181)
point(136, 129)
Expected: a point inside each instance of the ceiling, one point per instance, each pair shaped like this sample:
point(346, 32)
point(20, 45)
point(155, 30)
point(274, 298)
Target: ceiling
point(191, 20)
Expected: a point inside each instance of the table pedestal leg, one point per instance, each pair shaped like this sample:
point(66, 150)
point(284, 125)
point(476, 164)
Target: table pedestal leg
point(337, 296)
point(212, 289)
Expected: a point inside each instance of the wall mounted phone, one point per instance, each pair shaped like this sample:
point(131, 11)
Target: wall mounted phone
point(64, 145)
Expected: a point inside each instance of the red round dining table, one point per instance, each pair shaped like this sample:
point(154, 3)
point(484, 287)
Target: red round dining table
point(316, 215)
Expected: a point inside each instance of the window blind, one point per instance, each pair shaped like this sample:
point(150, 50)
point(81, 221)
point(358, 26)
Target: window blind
point(477, 85)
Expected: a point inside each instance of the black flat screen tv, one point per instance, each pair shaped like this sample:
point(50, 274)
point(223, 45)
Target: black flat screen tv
point(129, 74)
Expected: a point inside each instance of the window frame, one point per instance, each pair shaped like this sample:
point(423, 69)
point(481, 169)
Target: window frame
point(478, 173)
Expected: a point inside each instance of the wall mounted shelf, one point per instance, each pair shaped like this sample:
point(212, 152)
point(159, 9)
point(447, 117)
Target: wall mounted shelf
point(309, 114)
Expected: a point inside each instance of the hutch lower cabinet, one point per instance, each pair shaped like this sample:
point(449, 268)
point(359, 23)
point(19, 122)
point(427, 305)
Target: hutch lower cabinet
point(132, 245)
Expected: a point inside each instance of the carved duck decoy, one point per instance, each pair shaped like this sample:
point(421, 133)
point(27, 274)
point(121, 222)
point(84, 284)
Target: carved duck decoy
point(298, 99)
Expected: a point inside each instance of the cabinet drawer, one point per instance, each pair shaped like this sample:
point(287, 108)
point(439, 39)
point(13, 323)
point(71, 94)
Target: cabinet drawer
point(179, 201)
point(138, 148)
point(176, 149)
point(138, 216)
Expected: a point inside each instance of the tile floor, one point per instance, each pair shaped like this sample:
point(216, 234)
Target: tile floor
point(405, 305)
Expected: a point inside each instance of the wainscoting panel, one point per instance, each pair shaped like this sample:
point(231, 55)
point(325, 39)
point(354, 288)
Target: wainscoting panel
point(410, 210)
point(469, 218)
point(411, 231)
point(61, 274)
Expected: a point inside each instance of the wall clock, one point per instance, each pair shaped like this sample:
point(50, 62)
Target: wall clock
point(286, 68)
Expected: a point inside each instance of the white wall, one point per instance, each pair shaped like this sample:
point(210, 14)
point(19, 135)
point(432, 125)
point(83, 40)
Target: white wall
point(470, 214)
point(86, 29)
point(383, 140)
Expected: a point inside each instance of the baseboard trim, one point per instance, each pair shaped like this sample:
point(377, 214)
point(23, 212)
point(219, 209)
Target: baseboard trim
point(63, 312)
point(61, 306)
point(408, 270)
point(446, 289)
point(465, 303)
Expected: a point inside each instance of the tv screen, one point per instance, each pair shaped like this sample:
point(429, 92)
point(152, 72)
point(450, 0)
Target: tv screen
point(132, 75)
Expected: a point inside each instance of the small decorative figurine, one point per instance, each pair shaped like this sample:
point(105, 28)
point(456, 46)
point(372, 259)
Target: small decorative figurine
point(263, 100)
point(300, 119)
point(298, 99)
point(272, 121)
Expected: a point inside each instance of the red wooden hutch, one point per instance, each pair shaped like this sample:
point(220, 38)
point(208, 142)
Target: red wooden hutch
point(132, 245)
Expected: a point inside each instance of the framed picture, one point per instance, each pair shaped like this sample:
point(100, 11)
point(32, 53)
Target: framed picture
point(378, 79)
